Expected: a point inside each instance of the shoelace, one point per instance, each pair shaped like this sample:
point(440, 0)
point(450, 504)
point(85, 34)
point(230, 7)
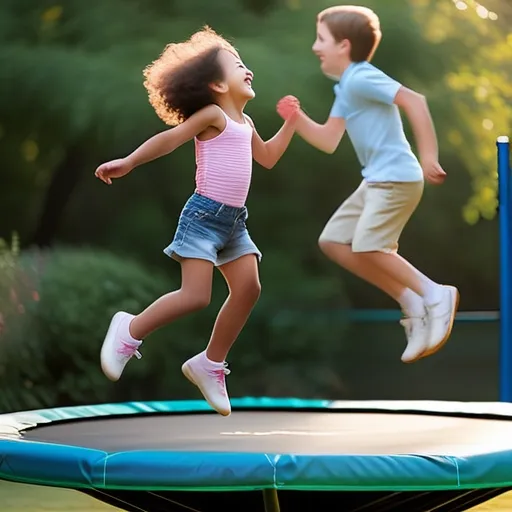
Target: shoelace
point(408, 322)
point(128, 350)
point(219, 376)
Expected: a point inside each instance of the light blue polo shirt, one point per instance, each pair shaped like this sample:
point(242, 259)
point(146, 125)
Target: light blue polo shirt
point(364, 99)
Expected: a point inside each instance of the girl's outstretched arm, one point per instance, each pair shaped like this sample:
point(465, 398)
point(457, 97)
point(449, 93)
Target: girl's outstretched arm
point(325, 137)
point(268, 153)
point(163, 143)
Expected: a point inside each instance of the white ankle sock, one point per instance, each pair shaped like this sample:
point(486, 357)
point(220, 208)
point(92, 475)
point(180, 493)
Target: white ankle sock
point(412, 303)
point(126, 328)
point(209, 362)
point(432, 292)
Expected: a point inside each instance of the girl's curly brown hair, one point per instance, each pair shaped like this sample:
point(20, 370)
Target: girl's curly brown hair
point(178, 81)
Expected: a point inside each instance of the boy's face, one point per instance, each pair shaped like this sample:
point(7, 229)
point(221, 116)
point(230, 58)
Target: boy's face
point(333, 55)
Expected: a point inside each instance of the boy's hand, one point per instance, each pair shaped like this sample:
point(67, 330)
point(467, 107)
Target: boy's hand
point(114, 169)
point(288, 107)
point(433, 171)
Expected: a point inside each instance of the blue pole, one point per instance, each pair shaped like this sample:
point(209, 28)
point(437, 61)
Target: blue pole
point(505, 270)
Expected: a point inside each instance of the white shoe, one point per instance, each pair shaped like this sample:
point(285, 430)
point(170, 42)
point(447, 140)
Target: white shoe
point(417, 332)
point(211, 381)
point(440, 319)
point(118, 347)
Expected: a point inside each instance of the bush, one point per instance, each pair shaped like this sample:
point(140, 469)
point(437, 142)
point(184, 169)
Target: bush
point(55, 317)
point(294, 340)
point(8, 269)
point(57, 305)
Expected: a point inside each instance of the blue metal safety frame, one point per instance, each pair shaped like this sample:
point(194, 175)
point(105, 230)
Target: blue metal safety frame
point(505, 220)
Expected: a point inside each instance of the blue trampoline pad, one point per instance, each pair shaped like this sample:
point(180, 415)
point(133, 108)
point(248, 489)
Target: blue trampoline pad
point(357, 454)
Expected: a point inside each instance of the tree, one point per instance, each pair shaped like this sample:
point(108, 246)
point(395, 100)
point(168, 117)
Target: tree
point(72, 96)
point(478, 86)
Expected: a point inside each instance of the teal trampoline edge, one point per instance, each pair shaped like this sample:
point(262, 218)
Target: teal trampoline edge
point(78, 467)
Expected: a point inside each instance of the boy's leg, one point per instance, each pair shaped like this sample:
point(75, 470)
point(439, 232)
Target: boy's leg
point(412, 304)
point(342, 254)
point(388, 207)
point(335, 242)
point(127, 331)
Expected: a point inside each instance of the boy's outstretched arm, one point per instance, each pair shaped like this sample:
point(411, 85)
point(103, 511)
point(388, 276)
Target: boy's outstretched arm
point(162, 144)
point(325, 137)
point(416, 108)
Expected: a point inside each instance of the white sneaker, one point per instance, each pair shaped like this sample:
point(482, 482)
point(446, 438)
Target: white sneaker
point(211, 382)
point(417, 332)
point(440, 319)
point(118, 347)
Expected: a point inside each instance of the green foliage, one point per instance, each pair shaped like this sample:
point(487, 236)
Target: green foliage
point(67, 81)
point(70, 86)
point(8, 257)
point(295, 337)
point(64, 300)
point(8, 277)
point(476, 92)
point(59, 304)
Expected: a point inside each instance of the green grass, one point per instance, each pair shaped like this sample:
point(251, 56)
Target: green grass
point(30, 498)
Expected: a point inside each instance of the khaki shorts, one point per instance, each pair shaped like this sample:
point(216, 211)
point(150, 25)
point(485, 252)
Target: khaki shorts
point(374, 216)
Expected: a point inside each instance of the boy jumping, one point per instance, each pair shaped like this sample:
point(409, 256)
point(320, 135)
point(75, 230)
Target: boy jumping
point(362, 235)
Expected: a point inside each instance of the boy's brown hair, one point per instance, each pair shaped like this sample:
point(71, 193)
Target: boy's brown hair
point(360, 25)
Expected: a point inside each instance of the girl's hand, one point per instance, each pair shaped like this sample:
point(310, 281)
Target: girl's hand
point(288, 107)
point(113, 169)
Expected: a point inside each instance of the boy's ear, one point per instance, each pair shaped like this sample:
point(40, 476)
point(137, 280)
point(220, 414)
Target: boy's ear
point(345, 46)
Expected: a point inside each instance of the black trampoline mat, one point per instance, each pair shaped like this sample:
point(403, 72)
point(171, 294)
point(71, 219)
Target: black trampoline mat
point(286, 432)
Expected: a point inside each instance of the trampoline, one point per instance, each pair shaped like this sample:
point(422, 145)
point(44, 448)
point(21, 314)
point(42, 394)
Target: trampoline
point(280, 454)
point(270, 454)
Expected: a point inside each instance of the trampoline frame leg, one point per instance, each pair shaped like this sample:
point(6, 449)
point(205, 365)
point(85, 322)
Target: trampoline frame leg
point(271, 500)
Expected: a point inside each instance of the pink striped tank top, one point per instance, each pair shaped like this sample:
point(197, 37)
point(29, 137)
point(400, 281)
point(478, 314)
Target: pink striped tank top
point(224, 164)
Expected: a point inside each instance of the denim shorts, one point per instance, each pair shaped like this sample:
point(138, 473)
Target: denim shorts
point(211, 231)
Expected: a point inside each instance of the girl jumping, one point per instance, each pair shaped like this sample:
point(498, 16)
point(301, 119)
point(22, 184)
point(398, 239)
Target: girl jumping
point(201, 87)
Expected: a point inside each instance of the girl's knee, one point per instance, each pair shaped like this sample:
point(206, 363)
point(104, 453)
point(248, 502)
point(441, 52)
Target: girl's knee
point(256, 290)
point(196, 300)
point(249, 292)
point(196, 284)
point(253, 291)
